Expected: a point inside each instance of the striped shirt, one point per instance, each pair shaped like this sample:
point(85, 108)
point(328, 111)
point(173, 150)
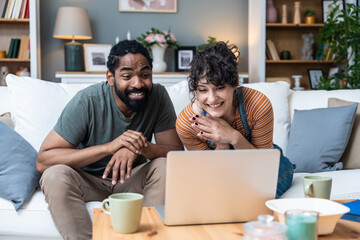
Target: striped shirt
point(259, 114)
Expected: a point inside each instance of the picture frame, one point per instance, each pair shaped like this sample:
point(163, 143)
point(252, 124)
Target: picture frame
point(183, 57)
point(95, 57)
point(314, 77)
point(155, 6)
point(326, 7)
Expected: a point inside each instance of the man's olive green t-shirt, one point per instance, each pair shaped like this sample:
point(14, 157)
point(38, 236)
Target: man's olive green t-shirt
point(92, 118)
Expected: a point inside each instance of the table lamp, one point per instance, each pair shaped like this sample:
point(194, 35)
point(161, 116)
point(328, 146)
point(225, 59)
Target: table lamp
point(73, 23)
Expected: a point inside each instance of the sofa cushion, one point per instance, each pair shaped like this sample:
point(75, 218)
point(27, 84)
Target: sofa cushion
point(18, 175)
point(179, 95)
point(278, 93)
point(302, 100)
point(351, 156)
point(318, 138)
point(6, 118)
point(37, 104)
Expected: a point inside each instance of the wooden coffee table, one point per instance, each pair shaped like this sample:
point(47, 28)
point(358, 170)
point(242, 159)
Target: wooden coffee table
point(151, 227)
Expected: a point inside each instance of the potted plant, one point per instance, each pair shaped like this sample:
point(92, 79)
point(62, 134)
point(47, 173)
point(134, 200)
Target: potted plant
point(309, 16)
point(341, 34)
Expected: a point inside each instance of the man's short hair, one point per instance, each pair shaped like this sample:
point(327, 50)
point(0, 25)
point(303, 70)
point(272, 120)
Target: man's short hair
point(125, 47)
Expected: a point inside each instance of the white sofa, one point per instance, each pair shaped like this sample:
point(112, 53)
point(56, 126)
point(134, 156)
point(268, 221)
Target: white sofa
point(35, 106)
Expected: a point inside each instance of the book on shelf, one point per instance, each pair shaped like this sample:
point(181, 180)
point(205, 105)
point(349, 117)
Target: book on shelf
point(11, 46)
point(3, 4)
point(23, 9)
point(273, 52)
point(17, 8)
point(9, 9)
point(27, 9)
point(16, 48)
point(24, 42)
point(354, 213)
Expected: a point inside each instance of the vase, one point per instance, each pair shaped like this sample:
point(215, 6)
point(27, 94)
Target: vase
point(284, 14)
point(158, 53)
point(271, 13)
point(297, 17)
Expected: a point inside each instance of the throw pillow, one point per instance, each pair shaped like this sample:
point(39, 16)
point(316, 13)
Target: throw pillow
point(18, 175)
point(350, 158)
point(6, 118)
point(278, 93)
point(318, 138)
point(37, 105)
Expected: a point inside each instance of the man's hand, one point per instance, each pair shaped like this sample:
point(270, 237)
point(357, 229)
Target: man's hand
point(132, 140)
point(121, 161)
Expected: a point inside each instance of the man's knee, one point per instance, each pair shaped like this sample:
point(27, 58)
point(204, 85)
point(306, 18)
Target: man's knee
point(56, 178)
point(158, 166)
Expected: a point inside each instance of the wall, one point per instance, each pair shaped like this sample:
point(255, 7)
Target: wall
point(194, 21)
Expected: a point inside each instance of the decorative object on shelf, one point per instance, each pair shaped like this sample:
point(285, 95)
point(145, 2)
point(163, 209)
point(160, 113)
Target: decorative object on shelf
point(271, 13)
point(307, 48)
point(315, 76)
point(183, 57)
point(210, 40)
point(158, 41)
point(297, 17)
point(285, 55)
point(297, 82)
point(128, 35)
point(343, 44)
point(329, 6)
point(156, 6)
point(96, 56)
point(158, 53)
point(2, 54)
point(3, 72)
point(309, 16)
point(23, 72)
point(284, 14)
point(73, 23)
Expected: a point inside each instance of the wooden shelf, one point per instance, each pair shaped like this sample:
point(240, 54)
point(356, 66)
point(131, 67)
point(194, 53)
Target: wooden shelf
point(11, 60)
point(293, 25)
point(3, 20)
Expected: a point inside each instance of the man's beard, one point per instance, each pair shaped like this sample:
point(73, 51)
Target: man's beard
point(133, 105)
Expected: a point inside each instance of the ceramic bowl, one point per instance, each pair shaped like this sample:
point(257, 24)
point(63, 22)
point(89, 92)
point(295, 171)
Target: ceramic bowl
point(329, 211)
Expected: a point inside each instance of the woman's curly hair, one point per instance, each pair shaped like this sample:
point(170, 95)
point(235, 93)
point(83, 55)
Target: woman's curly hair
point(217, 63)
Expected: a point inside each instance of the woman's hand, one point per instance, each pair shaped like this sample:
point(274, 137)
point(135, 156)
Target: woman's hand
point(215, 130)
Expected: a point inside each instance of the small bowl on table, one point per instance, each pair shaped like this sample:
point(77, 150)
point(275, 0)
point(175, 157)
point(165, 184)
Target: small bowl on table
point(329, 211)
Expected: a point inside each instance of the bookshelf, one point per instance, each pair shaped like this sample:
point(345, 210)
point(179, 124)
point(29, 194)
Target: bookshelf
point(15, 28)
point(285, 37)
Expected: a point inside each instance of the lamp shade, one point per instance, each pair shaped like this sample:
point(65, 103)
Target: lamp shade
point(72, 23)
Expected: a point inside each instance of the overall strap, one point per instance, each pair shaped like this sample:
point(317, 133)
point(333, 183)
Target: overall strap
point(242, 113)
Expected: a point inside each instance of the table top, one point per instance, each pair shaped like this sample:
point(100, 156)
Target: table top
point(151, 227)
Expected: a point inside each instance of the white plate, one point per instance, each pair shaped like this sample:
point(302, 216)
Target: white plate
point(329, 211)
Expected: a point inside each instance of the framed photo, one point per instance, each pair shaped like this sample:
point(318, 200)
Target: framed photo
point(95, 56)
point(158, 6)
point(314, 77)
point(333, 71)
point(326, 8)
point(183, 58)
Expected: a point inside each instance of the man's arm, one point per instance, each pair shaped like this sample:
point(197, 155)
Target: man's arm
point(165, 141)
point(56, 150)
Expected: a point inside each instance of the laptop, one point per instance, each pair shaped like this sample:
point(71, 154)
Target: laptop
point(204, 187)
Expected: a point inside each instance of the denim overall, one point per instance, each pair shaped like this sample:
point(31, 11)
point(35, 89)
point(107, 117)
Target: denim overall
point(286, 168)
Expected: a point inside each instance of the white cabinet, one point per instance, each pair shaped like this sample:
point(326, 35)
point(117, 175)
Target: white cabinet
point(166, 79)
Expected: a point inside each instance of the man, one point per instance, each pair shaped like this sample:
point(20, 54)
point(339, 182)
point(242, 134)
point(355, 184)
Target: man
point(101, 142)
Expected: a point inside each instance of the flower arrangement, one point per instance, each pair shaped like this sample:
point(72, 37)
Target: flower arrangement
point(160, 38)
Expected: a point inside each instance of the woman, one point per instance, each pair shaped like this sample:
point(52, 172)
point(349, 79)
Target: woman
point(223, 116)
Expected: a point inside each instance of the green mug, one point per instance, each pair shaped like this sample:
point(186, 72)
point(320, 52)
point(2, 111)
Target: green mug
point(317, 187)
point(125, 211)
